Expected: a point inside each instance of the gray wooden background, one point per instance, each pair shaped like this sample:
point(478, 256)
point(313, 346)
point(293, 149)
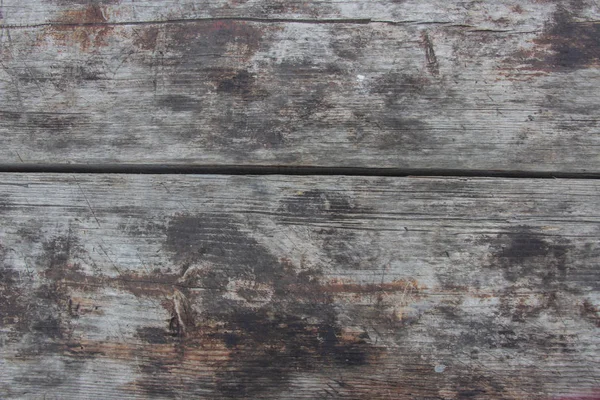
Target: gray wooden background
point(477, 279)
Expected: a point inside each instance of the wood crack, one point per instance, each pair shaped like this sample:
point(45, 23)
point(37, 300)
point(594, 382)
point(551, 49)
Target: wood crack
point(351, 21)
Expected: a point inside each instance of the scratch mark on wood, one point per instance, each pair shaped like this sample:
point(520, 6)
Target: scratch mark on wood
point(430, 57)
point(89, 205)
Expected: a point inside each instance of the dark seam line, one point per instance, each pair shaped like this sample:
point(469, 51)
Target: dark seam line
point(285, 170)
point(360, 21)
point(324, 21)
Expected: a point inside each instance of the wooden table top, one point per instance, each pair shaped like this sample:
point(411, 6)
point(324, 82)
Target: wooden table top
point(272, 199)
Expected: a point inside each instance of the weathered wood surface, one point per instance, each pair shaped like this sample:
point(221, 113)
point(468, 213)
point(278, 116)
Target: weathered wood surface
point(488, 15)
point(124, 286)
point(501, 85)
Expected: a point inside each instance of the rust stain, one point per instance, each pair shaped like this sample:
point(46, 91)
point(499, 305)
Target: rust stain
point(157, 283)
point(146, 38)
point(86, 27)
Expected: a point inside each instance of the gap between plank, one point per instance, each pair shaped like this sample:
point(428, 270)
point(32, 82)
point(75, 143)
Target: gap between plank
point(355, 21)
point(163, 169)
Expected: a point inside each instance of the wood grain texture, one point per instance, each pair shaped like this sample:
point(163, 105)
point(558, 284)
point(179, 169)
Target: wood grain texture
point(488, 15)
point(501, 85)
point(147, 286)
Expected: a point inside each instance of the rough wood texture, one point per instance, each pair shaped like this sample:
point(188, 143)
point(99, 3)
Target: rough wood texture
point(405, 84)
point(278, 287)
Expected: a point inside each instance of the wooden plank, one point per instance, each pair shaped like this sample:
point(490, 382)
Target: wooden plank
point(492, 15)
point(124, 286)
point(502, 86)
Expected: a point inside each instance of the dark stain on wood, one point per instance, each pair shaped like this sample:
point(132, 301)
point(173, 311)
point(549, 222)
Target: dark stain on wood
point(218, 38)
point(75, 74)
point(258, 309)
point(259, 131)
point(156, 283)
point(64, 77)
point(265, 119)
point(283, 102)
point(179, 103)
point(345, 249)
point(57, 260)
point(395, 129)
point(241, 83)
point(50, 122)
point(304, 69)
point(37, 314)
point(47, 308)
point(573, 44)
point(565, 43)
point(523, 253)
point(138, 230)
point(404, 133)
point(473, 385)
point(537, 281)
point(398, 87)
point(50, 327)
point(155, 335)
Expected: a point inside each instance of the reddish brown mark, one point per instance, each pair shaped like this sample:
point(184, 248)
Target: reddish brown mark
point(87, 28)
